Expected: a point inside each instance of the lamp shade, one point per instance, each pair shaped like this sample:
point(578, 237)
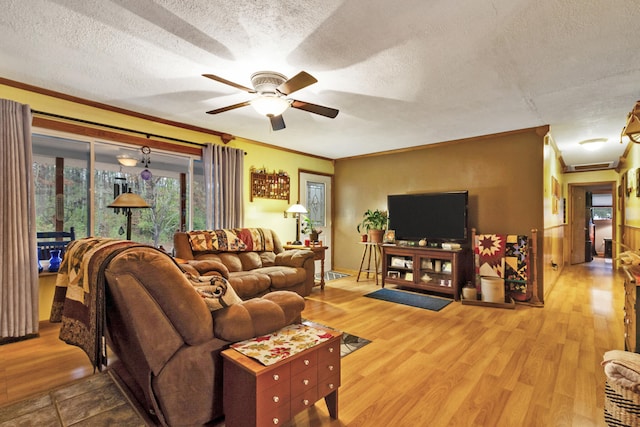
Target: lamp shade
point(129, 200)
point(297, 208)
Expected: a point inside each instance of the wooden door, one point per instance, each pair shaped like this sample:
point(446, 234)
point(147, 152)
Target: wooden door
point(315, 193)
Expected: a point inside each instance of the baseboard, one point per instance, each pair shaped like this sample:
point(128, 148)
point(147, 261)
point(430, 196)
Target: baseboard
point(9, 340)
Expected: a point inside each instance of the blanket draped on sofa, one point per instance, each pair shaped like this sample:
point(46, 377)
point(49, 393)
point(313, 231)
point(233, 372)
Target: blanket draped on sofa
point(78, 300)
point(231, 240)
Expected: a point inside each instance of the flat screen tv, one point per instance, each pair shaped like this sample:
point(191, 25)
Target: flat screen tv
point(437, 217)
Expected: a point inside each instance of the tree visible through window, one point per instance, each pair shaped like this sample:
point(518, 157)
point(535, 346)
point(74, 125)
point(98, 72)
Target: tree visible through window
point(154, 226)
point(74, 207)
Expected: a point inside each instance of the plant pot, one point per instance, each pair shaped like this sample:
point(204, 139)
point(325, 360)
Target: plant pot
point(375, 236)
point(313, 237)
point(364, 238)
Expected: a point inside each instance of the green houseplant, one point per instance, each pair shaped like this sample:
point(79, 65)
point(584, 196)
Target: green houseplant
point(310, 229)
point(374, 222)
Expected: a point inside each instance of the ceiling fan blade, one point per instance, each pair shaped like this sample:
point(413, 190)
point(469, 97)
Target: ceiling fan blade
point(229, 107)
point(316, 109)
point(277, 122)
point(297, 82)
point(227, 82)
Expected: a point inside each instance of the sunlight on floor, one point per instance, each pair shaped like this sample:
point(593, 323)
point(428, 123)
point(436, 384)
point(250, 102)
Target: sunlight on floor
point(602, 298)
point(602, 302)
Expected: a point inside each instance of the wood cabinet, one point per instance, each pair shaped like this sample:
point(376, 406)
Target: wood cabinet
point(430, 269)
point(258, 395)
point(631, 289)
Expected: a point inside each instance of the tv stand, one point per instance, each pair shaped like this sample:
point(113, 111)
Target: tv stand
point(430, 269)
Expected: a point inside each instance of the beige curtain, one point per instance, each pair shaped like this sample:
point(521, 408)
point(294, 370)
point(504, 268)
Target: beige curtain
point(223, 180)
point(18, 254)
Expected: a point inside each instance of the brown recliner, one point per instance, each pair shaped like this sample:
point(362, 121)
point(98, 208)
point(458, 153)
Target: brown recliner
point(167, 341)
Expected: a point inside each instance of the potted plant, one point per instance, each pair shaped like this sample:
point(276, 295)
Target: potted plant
point(310, 229)
point(374, 223)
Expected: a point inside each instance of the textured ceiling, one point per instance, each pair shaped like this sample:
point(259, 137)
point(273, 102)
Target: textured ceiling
point(402, 73)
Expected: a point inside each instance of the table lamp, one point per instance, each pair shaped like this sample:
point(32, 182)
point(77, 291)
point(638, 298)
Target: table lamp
point(297, 209)
point(127, 201)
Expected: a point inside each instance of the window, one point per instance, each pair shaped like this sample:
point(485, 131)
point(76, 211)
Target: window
point(199, 217)
point(72, 208)
point(602, 206)
point(86, 191)
point(316, 203)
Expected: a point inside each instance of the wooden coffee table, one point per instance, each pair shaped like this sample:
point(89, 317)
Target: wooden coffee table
point(259, 395)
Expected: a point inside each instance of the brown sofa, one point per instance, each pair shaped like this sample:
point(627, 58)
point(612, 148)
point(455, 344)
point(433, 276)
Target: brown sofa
point(168, 342)
point(252, 259)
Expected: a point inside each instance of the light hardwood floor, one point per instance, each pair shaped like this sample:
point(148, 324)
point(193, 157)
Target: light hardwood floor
point(464, 365)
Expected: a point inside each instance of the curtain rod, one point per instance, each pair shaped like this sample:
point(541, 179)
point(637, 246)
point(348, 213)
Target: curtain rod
point(147, 134)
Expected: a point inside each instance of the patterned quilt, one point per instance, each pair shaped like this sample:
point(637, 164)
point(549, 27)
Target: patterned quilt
point(504, 256)
point(78, 301)
point(231, 240)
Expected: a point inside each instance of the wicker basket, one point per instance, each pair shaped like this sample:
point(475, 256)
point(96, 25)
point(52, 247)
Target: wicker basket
point(621, 406)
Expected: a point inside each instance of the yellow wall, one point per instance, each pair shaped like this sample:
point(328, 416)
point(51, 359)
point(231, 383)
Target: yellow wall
point(553, 234)
point(270, 213)
point(631, 226)
point(47, 284)
point(503, 174)
point(632, 203)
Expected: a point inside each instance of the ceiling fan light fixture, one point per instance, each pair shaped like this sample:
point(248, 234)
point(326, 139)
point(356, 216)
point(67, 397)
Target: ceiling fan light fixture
point(270, 105)
point(632, 128)
point(126, 160)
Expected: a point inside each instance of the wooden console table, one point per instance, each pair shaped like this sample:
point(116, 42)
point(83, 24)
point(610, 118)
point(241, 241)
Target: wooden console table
point(428, 269)
point(318, 255)
point(259, 395)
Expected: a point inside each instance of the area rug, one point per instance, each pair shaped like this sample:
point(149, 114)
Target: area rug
point(331, 275)
point(410, 298)
point(348, 342)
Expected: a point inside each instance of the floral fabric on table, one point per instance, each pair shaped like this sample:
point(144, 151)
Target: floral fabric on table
point(288, 341)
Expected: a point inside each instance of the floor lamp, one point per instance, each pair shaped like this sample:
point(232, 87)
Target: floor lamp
point(297, 209)
point(128, 201)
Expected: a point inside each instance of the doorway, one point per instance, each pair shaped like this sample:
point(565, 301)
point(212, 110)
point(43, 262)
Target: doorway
point(316, 195)
point(593, 219)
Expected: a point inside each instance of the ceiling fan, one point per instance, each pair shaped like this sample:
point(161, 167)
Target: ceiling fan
point(273, 90)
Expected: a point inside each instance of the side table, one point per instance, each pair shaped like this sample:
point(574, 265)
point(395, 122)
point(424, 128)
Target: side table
point(259, 395)
point(318, 255)
point(370, 248)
